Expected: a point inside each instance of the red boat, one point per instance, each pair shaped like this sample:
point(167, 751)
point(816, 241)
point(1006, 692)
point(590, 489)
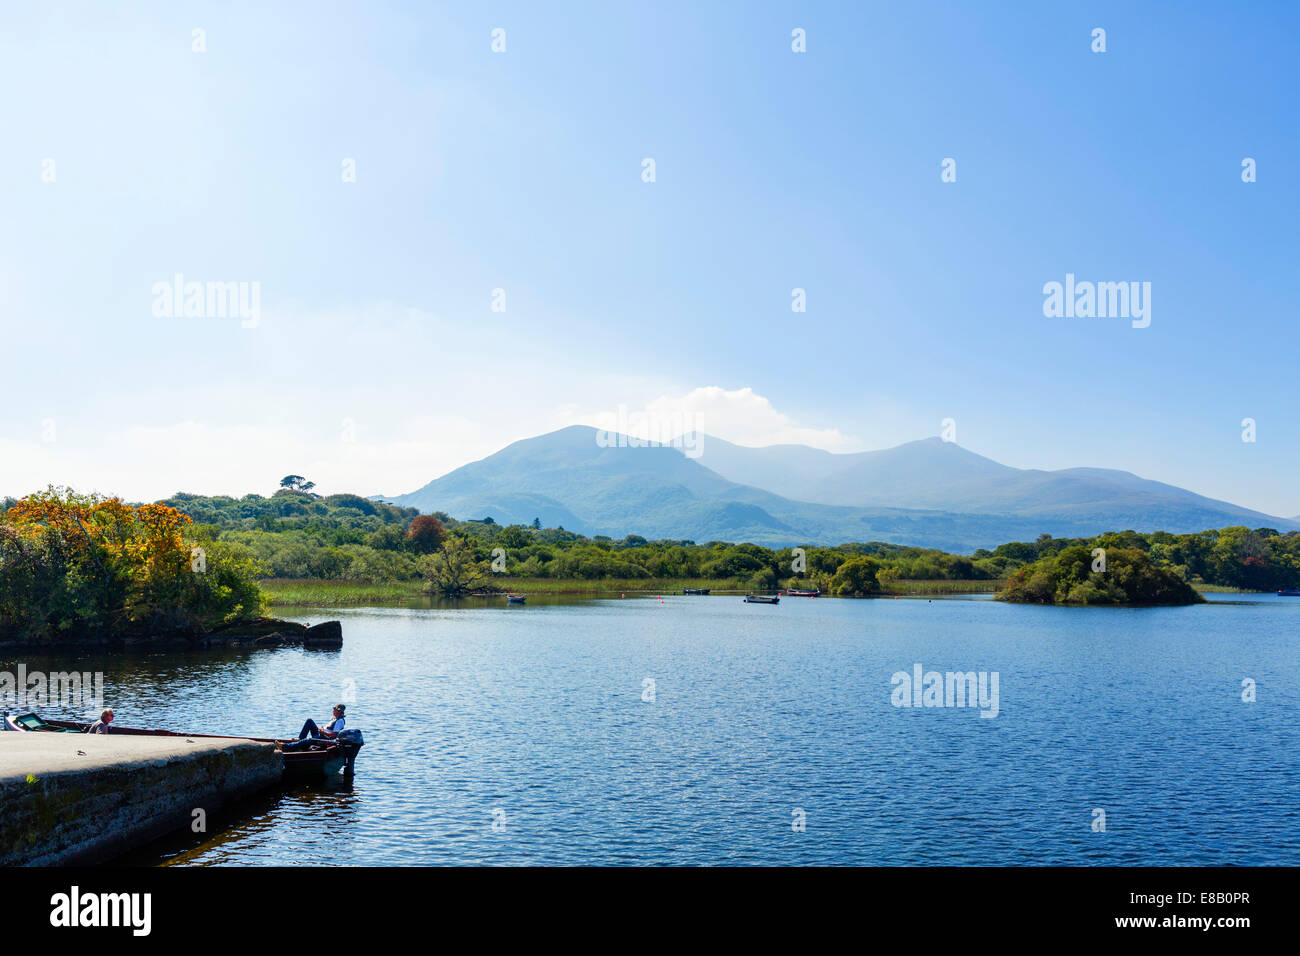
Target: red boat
point(314, 761)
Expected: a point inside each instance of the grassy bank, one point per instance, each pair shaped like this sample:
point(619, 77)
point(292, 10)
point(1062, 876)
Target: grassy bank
point(943, 587)
point(307, 592)
point(310, 592)
point(294, 592)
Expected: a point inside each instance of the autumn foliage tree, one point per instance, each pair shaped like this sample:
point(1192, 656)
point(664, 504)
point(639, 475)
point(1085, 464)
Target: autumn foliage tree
point(426, 534)
point(72, 565)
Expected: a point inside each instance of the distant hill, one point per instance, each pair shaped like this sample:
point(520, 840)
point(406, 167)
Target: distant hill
point(927, 493)
point(934, 474)
point(889, 478)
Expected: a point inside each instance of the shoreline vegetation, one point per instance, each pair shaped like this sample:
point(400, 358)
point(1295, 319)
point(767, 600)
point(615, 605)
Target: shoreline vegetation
point(308, 592)
point(79, 567)
point(80, 570)
point(84, 569)
point(291, 593)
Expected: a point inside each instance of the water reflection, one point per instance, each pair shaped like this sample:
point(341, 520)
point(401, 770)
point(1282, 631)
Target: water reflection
point(270, 828)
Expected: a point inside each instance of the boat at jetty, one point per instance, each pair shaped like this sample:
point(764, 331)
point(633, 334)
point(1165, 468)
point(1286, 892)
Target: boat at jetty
point(315, 760)
point(695, 590)
point(795, 592)
point(516, 598)
point(762, 599)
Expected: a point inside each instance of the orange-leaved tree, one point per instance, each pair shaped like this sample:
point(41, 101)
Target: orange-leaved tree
point(72, 564)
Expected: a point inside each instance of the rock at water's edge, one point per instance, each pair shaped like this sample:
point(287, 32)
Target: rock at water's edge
point(329, 634)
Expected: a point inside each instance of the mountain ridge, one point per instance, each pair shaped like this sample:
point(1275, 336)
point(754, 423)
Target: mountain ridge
point(927, 492)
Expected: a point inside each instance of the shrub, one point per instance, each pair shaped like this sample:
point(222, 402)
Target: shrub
point(856, 577)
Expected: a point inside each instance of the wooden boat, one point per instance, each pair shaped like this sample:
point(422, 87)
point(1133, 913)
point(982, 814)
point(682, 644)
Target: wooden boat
point(762, 599)
point(516, 598)
point(314, 761)
point(1288, 592)
point(695, 590)
point(795, 592)
point(30, 722)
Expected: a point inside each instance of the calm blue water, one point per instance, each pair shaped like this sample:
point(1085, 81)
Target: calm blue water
point(537, 714)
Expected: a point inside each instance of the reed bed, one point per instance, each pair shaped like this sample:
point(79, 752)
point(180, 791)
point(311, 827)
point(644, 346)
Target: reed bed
point(293, 592)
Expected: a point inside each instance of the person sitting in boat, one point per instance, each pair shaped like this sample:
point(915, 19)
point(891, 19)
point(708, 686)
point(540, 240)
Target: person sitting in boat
point(101, 726)
point(311, 734)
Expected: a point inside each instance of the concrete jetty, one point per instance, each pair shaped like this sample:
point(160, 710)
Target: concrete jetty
point(86, 798)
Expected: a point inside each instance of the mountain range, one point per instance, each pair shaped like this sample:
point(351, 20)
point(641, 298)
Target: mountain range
point(928, 493)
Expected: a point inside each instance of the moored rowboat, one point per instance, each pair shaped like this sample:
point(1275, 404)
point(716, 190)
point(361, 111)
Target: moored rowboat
point(762, 599)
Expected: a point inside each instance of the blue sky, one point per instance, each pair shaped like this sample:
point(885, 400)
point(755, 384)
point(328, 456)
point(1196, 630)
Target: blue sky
point(376, 362)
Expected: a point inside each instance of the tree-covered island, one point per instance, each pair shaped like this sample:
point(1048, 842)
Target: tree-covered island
point(1082, 575)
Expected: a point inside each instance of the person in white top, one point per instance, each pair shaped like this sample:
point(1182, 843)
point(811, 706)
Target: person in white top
point(311, 733)
point(101, 726)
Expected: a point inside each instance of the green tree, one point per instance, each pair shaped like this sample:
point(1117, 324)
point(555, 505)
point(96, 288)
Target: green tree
point(856, 577)
point(296, 483)
point(454, 568)
point(513, 536)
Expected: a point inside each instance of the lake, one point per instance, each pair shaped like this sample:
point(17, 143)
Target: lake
point(702, 730)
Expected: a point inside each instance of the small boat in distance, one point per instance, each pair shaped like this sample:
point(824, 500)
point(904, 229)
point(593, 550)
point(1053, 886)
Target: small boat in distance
point(695, 590)
point(795, 592)
point(762, 599)
point(516, 598)
point(1288, 592)
point(319, 759)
